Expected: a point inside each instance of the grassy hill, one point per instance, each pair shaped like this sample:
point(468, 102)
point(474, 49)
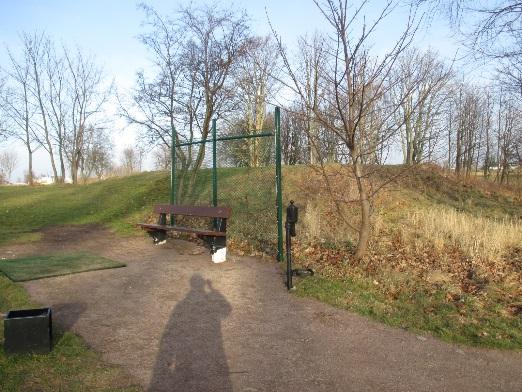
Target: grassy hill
point(116, 202)
point(446, 254)
point(120, 203)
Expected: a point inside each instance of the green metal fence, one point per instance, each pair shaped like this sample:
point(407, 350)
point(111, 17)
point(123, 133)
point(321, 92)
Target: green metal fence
point(240, 171)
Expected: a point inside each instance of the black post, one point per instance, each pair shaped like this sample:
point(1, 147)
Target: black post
point(291, 220)
point(288, 256)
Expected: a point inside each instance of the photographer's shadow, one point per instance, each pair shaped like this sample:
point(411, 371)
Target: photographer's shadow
point(191, 356)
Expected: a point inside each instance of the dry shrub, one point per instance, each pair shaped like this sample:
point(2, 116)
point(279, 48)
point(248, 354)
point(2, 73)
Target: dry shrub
point(312, 226)
point(426, 242)
point(320, 223)
point(328, 202)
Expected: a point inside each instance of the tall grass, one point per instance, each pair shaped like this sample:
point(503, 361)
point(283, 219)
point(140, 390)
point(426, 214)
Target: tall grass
point(321, 222)
point(478, 237)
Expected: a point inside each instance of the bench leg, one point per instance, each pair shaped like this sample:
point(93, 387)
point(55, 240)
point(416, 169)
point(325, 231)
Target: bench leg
point(219, 249)
point(159, 237)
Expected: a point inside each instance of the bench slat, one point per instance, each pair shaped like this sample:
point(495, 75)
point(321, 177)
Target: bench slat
point(203, 211)
point(151, 226)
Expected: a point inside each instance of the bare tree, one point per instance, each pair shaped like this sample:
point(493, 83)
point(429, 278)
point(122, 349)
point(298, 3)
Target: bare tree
point(487, 139)
point(194, 56)
point(35, 47)
point(353, 88)
point(311, 58)
point(218, 40)
point(508, 134)
point(17, 109)
point(97, 157)
point(51, 96)
point(8, 161)
point(154, 104)
point(87, 95)
point(422, 79)
point(257, 81)
point(295, 147)
point(466, 127)
point(130, 160)
point(58, 102)
point(162, 157)
point(490, 30)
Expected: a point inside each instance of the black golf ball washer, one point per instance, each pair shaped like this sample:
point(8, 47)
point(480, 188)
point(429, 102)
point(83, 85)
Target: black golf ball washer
point(291, 219)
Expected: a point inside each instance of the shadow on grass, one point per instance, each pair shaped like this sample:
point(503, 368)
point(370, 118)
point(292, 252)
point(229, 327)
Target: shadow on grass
point(65, 315)
point(191, 356)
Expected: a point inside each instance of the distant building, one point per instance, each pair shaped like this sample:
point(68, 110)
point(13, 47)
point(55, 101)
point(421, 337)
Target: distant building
point(45, 180)
point(49, 180)
point(16, 183)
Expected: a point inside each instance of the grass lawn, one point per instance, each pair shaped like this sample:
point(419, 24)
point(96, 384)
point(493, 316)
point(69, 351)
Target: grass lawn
point(422, 309)
point(71, 366)
point(36, 267)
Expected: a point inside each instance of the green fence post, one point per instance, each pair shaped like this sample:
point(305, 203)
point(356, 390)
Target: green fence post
point(214, 171)
point(279, 189)
point(214, 166)
point(173, 172)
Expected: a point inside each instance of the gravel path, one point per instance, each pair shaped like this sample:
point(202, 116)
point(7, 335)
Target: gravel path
point(177, 322)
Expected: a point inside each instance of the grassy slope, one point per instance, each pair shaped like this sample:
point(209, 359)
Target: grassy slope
point(116, 202)
point(119, 203)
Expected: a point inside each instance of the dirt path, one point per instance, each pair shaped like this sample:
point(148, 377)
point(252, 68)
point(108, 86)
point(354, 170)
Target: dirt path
point(177, 322)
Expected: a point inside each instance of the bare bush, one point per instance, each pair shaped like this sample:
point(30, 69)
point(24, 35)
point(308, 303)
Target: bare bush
point(8, 161)
point(348, 99)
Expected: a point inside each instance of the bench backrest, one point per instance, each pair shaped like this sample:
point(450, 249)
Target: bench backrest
point(203, 211)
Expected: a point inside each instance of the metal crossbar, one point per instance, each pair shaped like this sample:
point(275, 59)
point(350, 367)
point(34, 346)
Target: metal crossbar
point(223, 138)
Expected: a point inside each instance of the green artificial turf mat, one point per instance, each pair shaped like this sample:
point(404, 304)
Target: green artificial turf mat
point(36, 267)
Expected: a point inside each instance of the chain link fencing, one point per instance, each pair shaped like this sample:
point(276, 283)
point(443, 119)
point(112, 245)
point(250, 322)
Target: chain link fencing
point(238, 171)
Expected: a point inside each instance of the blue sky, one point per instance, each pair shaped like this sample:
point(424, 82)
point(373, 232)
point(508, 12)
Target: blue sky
point(109, 29)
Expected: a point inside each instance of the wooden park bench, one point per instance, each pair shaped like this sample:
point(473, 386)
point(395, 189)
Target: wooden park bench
point(216, 237)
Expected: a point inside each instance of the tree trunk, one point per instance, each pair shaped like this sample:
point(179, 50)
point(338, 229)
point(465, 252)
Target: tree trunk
point(201, 151)
point(259, 119)
point(51, 156)
point(62, 165)
point(364, 203)
point(458, 152)
point(487, 154)
point(30, 178)
point(74, 169)
point(449, 137)
point(312, 140)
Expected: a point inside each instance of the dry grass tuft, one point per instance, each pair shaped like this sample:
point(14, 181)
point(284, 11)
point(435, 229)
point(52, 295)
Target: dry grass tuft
point(480, 238)
point(318, 224)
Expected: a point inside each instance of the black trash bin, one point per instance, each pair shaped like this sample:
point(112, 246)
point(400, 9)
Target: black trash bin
point(28, 331)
